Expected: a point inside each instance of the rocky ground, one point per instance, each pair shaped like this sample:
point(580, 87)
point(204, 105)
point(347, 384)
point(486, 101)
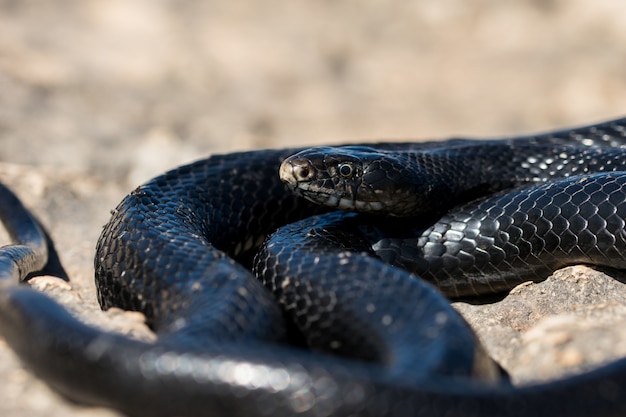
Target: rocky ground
point(98, 96)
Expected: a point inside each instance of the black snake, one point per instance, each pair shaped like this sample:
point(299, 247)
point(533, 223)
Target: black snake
point(350, 334)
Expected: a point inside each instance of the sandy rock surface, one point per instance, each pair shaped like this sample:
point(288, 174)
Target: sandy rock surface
point(99, 96)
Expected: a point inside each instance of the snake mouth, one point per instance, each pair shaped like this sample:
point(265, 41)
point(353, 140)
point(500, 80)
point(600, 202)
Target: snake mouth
point(303, 180)
point(299, 176)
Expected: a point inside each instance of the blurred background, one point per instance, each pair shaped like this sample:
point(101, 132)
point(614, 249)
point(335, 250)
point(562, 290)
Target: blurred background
point(126, 89)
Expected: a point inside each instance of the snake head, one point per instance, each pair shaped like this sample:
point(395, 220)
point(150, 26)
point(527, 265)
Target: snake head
point(356, 178)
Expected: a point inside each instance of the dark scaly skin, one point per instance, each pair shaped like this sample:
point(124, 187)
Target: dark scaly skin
point(29, 253)
point(494, 244)
point(160, 253)
point(232, 308)
point(414, 183)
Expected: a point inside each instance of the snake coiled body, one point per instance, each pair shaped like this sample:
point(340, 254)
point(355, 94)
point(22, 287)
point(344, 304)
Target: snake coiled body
point(350, 334)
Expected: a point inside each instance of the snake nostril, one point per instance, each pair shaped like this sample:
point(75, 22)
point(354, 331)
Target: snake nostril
point(302, 173)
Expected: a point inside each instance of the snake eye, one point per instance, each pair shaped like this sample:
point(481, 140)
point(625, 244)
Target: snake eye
point(345, 170)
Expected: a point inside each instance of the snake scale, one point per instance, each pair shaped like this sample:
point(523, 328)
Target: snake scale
point(335, 322)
